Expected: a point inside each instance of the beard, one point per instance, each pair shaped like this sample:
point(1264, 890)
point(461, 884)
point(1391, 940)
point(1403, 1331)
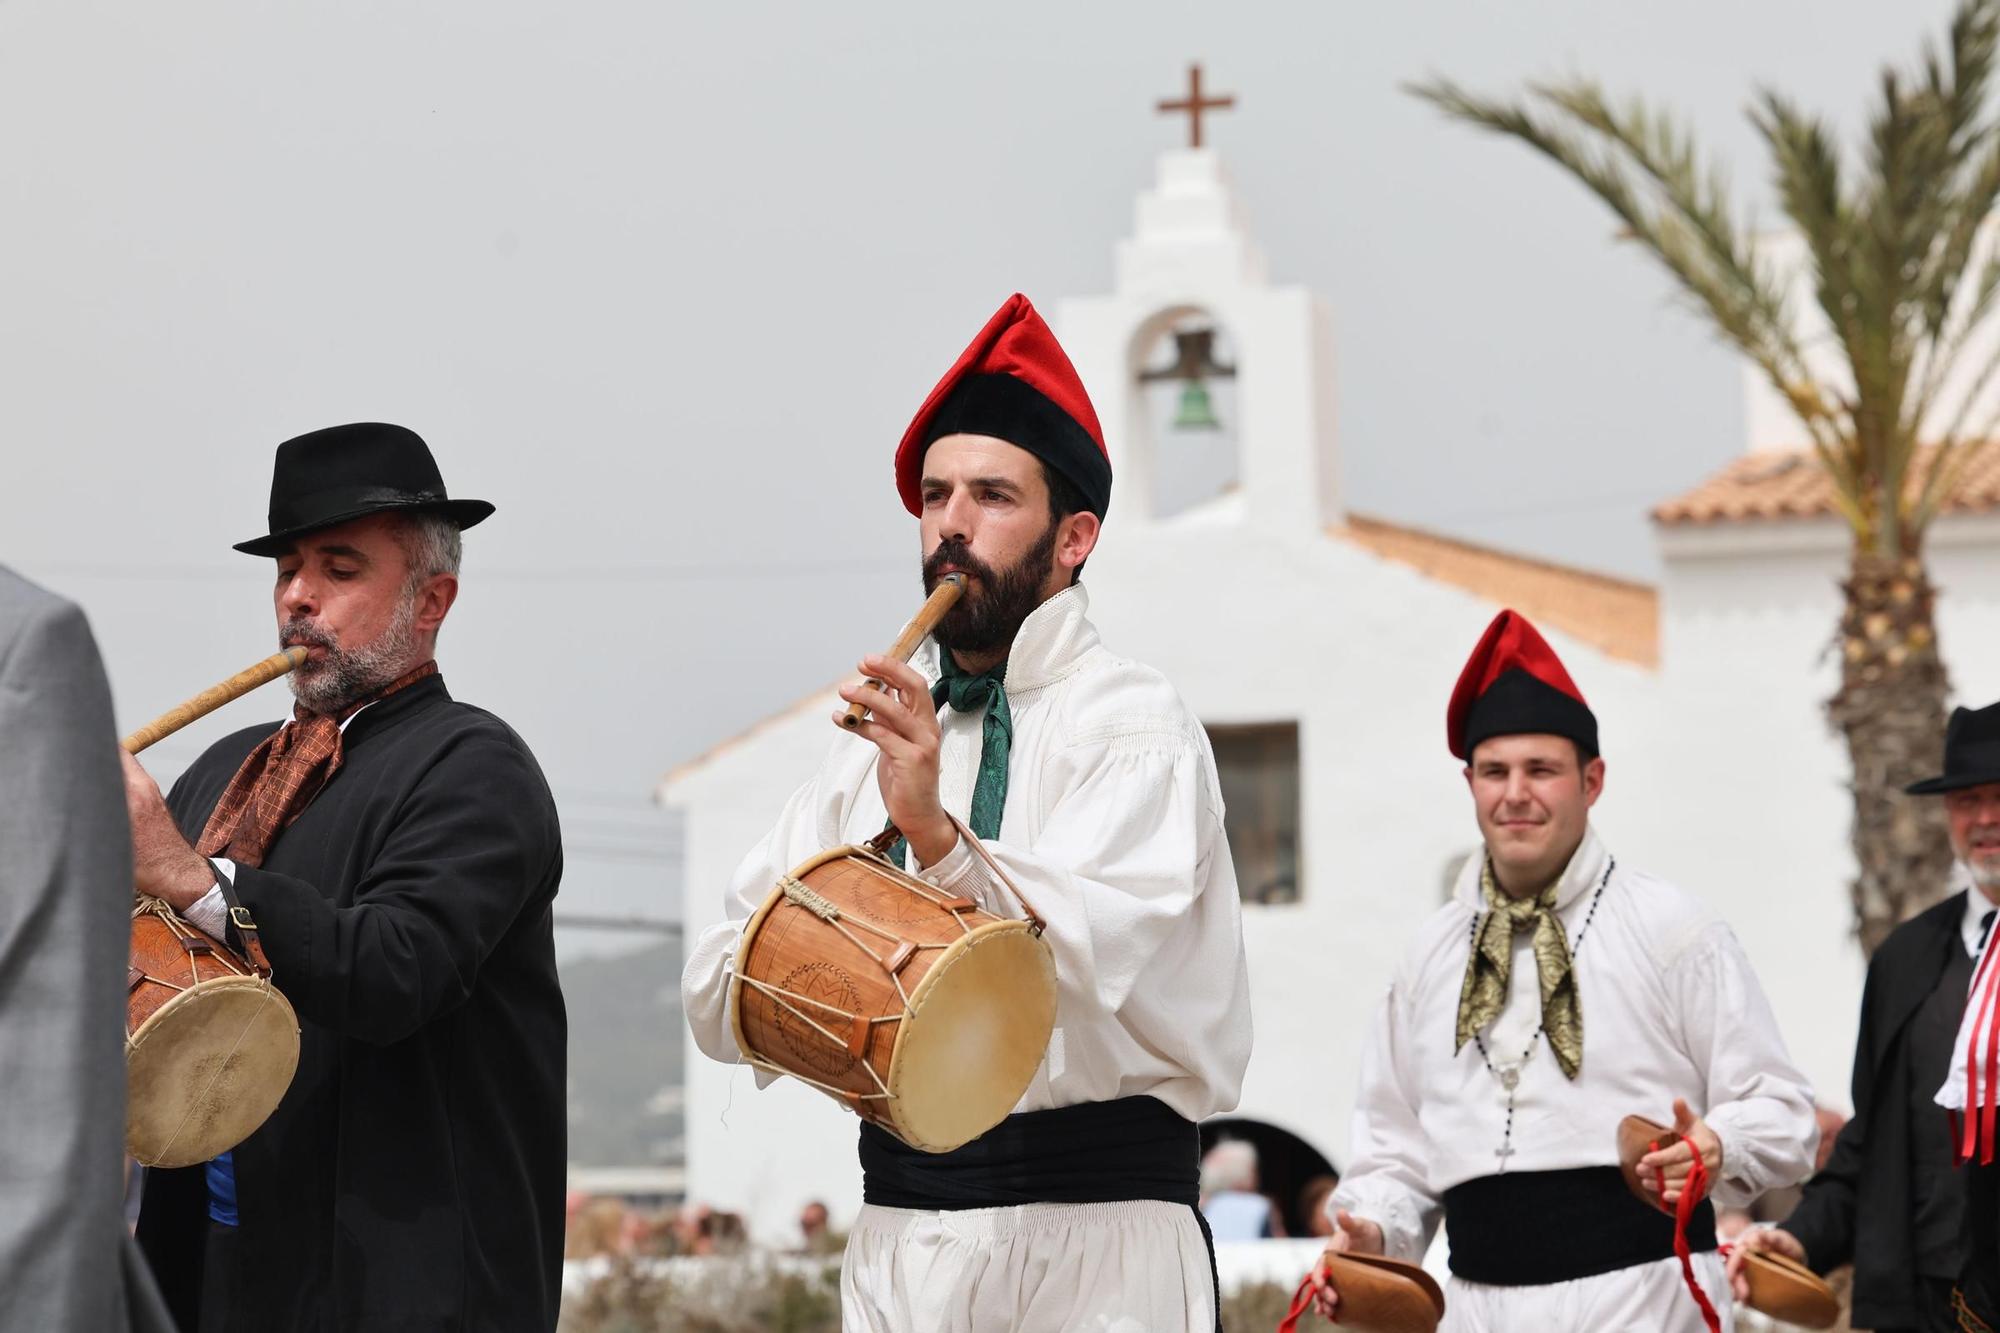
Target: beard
point(1984, 867)
point(346, 676)
point(989, 613)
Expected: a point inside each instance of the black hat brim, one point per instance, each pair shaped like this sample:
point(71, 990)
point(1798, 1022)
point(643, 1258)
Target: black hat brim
point(465, 513)
point(1943, 783)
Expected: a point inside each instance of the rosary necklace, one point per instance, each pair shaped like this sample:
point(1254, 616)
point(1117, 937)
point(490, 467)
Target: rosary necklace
point(1510, 1075)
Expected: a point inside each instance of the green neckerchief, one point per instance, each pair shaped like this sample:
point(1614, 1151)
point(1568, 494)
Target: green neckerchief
point(967, 694)
point(1484, 993)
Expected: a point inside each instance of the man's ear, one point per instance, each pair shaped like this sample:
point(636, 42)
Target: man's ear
point(1077, 539)
point(1593, 782)
point(434, 601)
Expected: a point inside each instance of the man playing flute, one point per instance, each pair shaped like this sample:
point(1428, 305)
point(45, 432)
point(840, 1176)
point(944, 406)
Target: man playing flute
point(1087, 779)
point(397, 853)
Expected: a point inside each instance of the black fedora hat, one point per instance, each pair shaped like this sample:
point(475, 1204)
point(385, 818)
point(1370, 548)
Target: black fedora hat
point(344, 472)
point(1971, 752)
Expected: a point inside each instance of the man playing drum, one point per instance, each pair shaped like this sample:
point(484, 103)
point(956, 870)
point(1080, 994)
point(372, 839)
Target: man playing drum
point(1558, 992)
point(1091, 786)
point(398, 853)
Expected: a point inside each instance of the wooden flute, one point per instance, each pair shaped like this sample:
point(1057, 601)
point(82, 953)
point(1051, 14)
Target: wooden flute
point(212, 698)
point(923, 622)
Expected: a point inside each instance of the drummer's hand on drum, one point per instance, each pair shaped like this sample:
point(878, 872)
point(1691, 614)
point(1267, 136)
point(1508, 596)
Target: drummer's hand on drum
point(1351, 1235)
point(162, 862)
point(904, 727)
point(1775, 1239)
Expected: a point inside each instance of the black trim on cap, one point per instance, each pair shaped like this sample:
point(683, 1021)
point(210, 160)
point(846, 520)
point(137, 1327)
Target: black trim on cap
point(1016, 411)
point(1520, 703)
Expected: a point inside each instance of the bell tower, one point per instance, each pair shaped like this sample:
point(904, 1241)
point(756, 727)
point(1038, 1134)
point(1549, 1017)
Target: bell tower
point(1215, 388)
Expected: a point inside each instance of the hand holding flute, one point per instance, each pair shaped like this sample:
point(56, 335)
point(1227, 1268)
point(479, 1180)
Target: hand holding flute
point(904, 728)
point(941, 600)
point(164, 866)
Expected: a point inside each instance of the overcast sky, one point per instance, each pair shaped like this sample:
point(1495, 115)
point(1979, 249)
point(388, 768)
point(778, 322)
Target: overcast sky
point(664, 282)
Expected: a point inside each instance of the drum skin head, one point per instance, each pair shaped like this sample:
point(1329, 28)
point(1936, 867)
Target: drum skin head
point(976, 1033)
point(207, 1069)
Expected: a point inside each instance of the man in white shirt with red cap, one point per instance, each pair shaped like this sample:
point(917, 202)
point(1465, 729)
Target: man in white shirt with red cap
point(1559, 991)
point(1091, 785)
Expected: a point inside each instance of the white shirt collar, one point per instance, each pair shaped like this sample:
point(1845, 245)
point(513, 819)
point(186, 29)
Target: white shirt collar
point(1049, 645)
point(1581, 876)
point(1971, 924)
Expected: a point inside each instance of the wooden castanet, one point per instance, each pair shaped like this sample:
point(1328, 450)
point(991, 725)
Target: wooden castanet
point(214, 697)
point(909, 1006)
point(923, 622)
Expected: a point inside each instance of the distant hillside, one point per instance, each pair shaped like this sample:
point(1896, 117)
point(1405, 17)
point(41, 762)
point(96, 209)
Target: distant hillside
point(625, 1057)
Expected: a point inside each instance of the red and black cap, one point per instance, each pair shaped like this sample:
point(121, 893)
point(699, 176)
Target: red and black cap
point(1016, 384)
point(1514, 684)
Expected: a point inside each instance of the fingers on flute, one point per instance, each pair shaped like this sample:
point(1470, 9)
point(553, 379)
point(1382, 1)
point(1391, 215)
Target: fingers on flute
point(899, 676)
point(872, 698)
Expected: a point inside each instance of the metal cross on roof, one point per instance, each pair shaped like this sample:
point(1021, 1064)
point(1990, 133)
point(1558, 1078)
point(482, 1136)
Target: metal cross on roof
point(1194, 104)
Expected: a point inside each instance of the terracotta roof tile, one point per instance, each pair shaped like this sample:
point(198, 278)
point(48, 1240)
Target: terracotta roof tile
point(1792, 484)
point(1618, 617)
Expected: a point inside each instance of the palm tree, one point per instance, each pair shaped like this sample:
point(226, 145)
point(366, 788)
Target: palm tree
point(1902, 279)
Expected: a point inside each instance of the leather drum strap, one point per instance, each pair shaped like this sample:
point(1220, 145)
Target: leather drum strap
point(244, 926)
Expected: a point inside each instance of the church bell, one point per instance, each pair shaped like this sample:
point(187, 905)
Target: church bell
point(1194, 364)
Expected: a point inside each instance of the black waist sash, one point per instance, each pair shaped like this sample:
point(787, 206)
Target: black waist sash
point(1529, 1228)
point(1095, 1152)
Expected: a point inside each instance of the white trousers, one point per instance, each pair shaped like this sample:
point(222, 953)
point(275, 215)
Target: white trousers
point(1651, 1297)
point(1138, 1267)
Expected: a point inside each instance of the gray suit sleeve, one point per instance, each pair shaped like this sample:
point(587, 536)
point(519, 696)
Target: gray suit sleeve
point(65, 884)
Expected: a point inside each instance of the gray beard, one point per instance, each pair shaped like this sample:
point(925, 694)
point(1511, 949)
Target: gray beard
point(1986, 875)
point(348, 675)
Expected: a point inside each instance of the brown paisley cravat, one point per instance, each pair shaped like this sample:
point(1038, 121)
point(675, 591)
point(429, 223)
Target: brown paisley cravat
point(280, 778)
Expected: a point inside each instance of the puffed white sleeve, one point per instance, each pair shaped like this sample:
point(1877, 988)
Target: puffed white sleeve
point(1132, 875)
point(1386, 1182)
point(1759, 1104)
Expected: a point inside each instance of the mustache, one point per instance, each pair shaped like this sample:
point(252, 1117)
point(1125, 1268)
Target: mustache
point(304, 632)
point(952, 552)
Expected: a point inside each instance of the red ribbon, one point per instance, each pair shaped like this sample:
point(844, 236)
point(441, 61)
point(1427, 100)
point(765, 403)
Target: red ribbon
point(1302, 1300)
point(1980, 1103)
point(1692, 1193)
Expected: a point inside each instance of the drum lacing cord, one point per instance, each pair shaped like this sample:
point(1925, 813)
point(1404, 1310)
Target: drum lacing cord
point(784, 999)
point(147, 905)
point(803, 895)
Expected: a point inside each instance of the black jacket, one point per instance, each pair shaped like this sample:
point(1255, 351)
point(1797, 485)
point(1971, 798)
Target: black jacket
point(412, 1178)
point(1858, 1208)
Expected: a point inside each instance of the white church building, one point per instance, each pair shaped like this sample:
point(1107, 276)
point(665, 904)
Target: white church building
point(1319, 646)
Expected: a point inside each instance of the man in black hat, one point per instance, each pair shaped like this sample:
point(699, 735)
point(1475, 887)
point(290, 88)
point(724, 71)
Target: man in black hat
point(398, 853)
point(1888, 1200)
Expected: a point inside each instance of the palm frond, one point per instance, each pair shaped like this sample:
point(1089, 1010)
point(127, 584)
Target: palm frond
point(1689, 232)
